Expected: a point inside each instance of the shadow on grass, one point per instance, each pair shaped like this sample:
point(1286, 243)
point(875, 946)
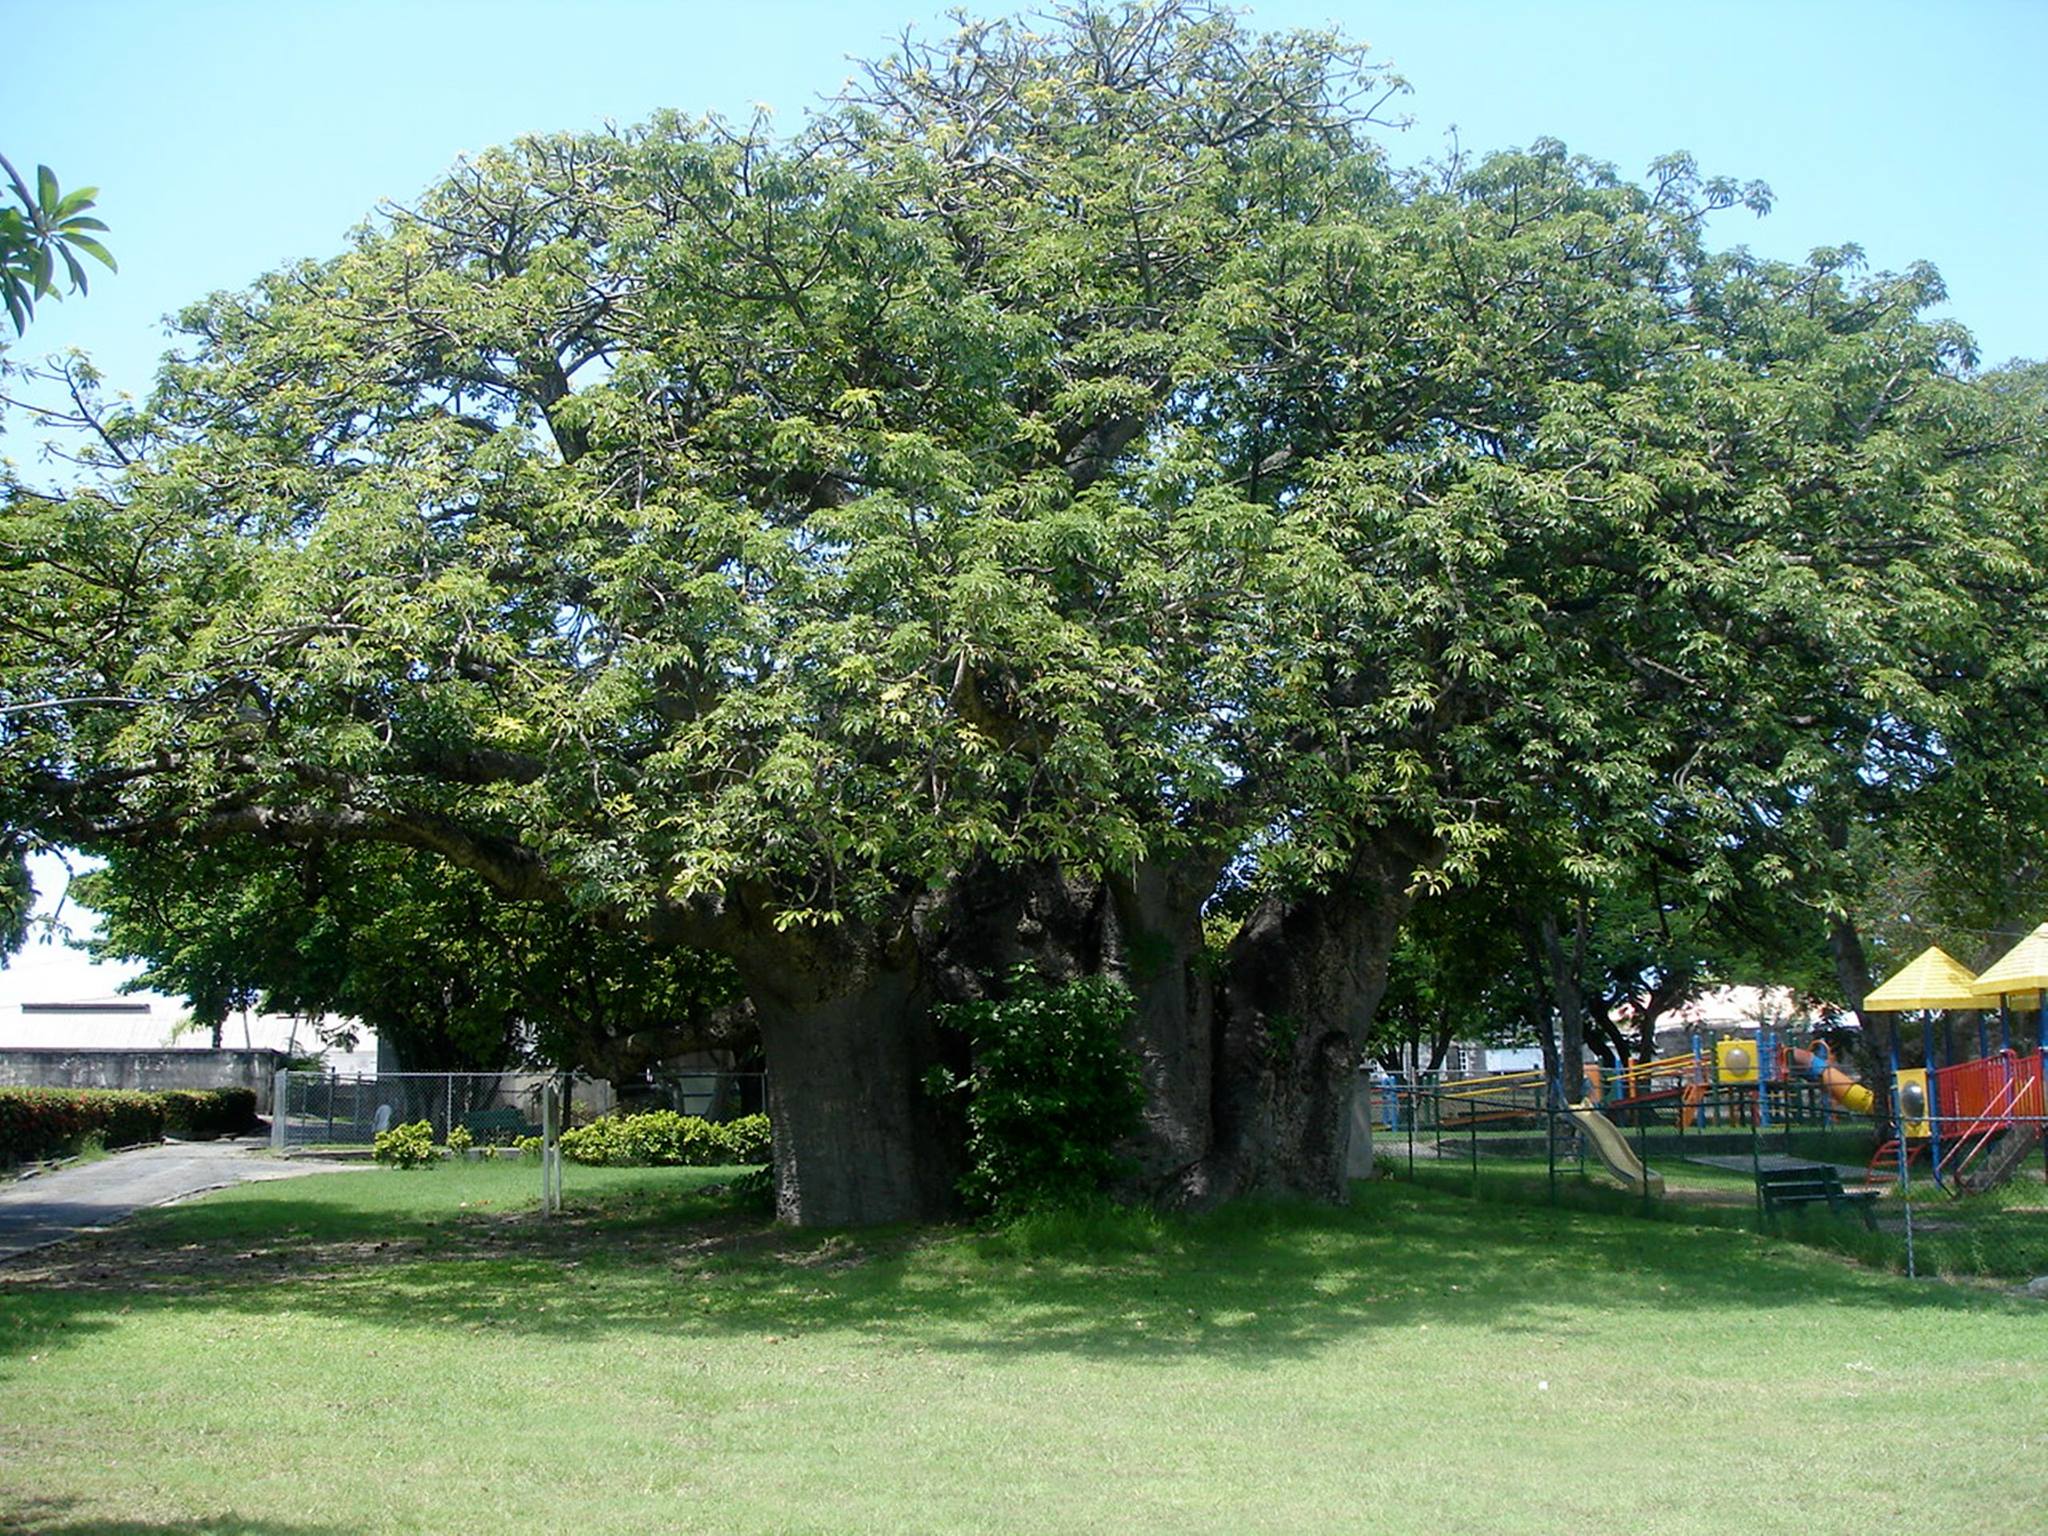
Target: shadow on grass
point(54, 1517)
point(1255, 1284)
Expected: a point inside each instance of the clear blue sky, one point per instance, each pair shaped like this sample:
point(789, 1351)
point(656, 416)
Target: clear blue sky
point(228, 136)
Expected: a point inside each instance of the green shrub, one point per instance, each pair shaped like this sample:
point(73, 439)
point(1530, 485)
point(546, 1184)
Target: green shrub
point(601, 1144)
point(748, 1140)
point(459, 1139)
point(406, 1146)
point(37, 1123)
point(1051, 1092)
point(664, 1139)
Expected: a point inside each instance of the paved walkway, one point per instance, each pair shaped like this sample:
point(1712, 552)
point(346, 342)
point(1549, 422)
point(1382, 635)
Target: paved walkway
point(1774, 1162)
point(54, 1206)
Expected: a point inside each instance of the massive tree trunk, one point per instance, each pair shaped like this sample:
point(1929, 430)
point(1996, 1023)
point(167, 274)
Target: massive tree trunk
point(1248, 1076)
point(1143, 927)
point(1300, 983)
point(846, 1026)
point(1155, 943)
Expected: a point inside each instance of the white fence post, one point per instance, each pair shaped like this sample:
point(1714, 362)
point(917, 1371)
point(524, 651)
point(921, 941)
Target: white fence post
point(550, 1150)
point(280, 1098)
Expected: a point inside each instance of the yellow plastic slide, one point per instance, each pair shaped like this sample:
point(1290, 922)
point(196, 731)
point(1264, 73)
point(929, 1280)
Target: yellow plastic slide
point(1842, 1088)
point(1614, 1150)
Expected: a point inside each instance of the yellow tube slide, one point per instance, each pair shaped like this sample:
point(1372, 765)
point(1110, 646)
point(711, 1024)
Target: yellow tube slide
point(1841, 1087)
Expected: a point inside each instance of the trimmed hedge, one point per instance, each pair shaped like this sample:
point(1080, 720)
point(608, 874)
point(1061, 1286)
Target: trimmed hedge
point(38, 1123)
point(663, 1138)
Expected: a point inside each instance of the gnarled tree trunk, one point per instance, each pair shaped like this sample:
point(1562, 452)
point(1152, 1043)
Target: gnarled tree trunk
point(1301, 982)
point(1248, 1075)
point(846, 1026)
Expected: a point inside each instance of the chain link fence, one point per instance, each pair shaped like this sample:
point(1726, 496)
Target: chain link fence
point(320, 1109)
point(317, 1109)
point(1958, 1195)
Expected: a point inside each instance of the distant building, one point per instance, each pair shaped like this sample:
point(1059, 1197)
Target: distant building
point(57, 1008)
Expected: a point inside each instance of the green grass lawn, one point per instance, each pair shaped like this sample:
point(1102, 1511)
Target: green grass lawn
point(388, 1352)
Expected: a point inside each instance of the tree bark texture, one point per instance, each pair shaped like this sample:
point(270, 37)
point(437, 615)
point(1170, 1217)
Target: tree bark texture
point(1248, 1067)
point(847, 1029)
point(1300, 984)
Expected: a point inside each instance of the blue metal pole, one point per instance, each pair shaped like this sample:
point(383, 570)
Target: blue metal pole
point(1823, 1058)
point(1933, 1107)
point(1905, 1158)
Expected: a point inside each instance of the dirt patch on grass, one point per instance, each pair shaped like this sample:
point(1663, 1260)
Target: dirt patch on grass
point(130, 1259)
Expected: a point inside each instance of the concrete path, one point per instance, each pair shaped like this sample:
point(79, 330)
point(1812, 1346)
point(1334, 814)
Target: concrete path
point(1777, 1162)
point(53, 1206)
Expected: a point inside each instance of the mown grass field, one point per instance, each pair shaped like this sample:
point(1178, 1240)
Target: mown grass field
point(393, 1352)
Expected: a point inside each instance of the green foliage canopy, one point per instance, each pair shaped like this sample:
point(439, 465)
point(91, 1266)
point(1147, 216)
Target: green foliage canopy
point(1075, 449)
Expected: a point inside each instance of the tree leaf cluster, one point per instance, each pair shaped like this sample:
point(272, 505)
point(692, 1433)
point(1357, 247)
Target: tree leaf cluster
point(1071, 484)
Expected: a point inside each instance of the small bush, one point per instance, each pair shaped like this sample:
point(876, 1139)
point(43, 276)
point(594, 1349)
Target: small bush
point(748, 1140)
point(1052, 1091)
point(406, 1146)
point(459, 1139)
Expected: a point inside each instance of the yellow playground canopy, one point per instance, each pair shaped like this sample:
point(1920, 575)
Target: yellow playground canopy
point(1933, 979)
point(2021, 969)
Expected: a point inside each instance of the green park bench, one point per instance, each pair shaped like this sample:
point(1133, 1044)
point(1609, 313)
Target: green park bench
point(495, 1126)
point(1813, 1184)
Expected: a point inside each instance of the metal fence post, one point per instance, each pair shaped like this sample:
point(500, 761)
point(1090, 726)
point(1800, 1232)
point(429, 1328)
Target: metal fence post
point(1550, 1144)
point(1643, 1157)
point(550, 1150)
point(1905, 1171)
point(1472, 1124)
point(1414, 1107)
point(280, 1099)
point(1756, 1165)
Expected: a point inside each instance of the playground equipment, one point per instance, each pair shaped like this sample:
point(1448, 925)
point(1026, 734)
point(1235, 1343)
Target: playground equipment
point(1976, 1121)
point(1841, 1087)
point(1973, 1121)
point(2003, 1099)
point(1612, 1148)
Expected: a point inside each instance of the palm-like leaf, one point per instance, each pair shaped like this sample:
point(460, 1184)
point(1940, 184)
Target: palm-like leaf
point(50, 225)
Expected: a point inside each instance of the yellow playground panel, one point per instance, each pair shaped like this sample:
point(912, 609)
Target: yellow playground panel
point(1735, 1061)
point(1914, 1102)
